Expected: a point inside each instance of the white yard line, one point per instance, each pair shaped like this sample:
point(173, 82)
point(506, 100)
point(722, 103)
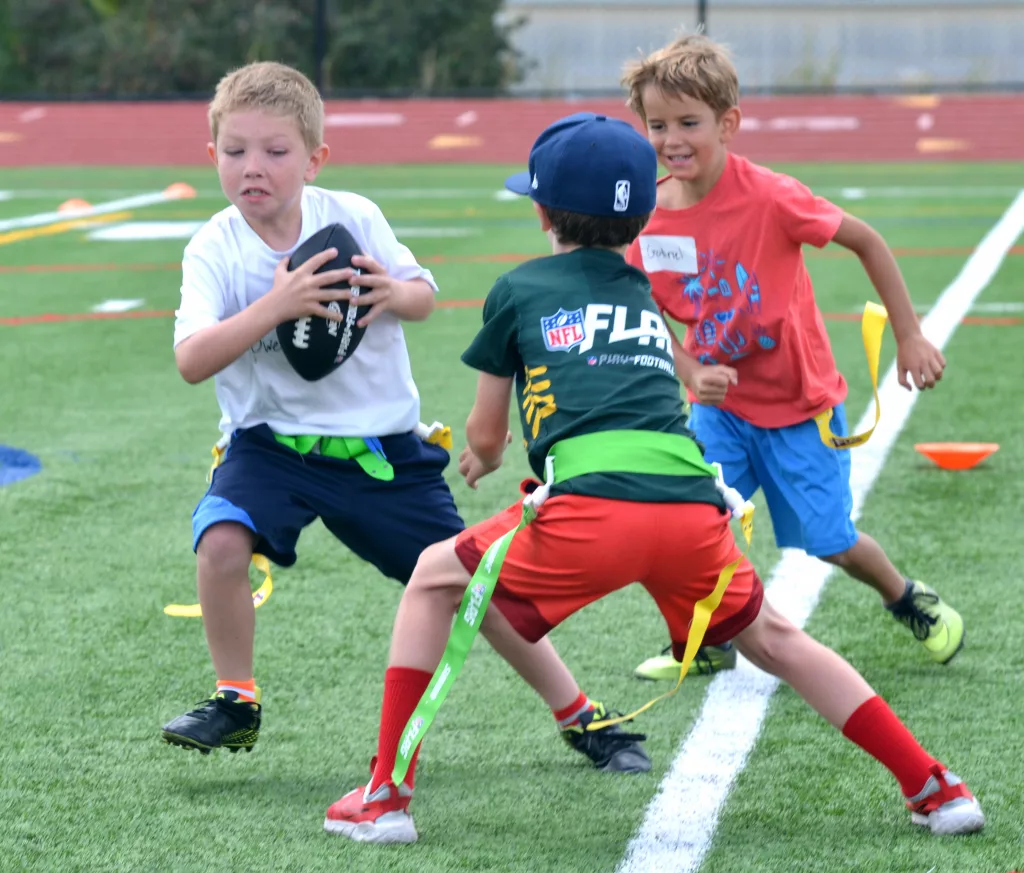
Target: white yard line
point(43, 218)
point(680, 821)
point(118, 305)
point(909, 192)
point(995, 308)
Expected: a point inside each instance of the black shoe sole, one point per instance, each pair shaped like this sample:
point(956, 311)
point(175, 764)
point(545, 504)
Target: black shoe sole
point(188, 744)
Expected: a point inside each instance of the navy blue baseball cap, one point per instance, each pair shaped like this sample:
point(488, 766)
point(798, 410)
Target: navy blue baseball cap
point(593, 165)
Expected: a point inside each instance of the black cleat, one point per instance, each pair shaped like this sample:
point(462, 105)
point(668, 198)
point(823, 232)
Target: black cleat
point(223, 721)
point(612, 749)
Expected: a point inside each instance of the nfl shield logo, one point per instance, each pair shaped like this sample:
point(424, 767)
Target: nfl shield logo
point(563, 331)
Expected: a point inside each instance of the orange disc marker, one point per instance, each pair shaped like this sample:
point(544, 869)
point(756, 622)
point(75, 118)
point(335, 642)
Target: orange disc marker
point(179, 191)
point(956, 456)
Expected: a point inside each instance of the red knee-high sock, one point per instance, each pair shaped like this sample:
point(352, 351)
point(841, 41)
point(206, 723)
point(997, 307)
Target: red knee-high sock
point(403, 688)
point(876, 729)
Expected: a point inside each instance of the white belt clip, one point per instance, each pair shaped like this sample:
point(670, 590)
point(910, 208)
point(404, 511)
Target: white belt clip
point(733, 499)
point(425, 432)
point(535, 499)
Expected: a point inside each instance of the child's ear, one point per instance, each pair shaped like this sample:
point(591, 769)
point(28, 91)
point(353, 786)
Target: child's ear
point(317, 159)
point(211, 150)
point(729, 123)
point(545, 222)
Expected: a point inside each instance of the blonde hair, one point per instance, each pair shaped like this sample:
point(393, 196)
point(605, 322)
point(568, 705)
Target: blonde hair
point(692, 65)
point(270, 87)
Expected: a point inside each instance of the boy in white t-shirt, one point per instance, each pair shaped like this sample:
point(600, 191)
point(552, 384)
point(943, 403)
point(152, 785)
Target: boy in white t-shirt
point(384, 496)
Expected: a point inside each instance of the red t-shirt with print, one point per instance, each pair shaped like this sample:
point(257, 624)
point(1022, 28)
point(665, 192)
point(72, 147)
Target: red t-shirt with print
point(731, 268)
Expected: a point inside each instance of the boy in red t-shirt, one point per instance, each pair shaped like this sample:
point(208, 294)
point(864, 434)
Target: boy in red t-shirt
point(724, 255)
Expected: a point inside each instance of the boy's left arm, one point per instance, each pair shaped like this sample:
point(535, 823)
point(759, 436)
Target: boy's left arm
point(409, 300)
point(390, 279)
point(487, 433)
point(917, 359)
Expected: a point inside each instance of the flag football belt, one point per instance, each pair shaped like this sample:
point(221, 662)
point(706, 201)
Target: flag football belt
point(621, 451)
point(872, 326)
point(367, 453)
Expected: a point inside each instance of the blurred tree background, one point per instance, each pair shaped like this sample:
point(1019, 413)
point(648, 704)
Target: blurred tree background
point(161, 48)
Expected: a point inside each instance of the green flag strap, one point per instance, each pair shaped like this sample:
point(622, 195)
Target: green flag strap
point(467, 623)
point(628, 451)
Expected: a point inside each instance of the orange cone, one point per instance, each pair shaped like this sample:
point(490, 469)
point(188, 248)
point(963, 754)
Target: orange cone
point(179, 191)
point(957, 456)
point(73, 205)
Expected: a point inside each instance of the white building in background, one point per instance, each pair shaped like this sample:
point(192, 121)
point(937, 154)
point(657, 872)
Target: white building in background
point(580, 45)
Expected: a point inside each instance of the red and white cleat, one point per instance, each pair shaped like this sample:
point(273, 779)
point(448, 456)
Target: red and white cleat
point(945, 805)
point(380, 816)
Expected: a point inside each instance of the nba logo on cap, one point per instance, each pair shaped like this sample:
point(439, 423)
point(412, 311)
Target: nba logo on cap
point(621, 195)
point(591, 165)
point(563, 331)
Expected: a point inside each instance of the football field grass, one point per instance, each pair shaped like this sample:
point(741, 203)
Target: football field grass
point(95, 545)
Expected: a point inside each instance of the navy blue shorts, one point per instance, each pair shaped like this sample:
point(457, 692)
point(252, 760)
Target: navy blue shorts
point(276, 492)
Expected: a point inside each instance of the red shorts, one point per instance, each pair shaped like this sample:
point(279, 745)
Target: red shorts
point(579, 549)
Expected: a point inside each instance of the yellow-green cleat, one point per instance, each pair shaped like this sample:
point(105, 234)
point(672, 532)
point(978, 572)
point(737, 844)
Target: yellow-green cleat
point(710, 659)
point(938, 626)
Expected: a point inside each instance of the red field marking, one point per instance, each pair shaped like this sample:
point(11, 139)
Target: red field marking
point(861, 128)
point(58, 317)
point(463, 259)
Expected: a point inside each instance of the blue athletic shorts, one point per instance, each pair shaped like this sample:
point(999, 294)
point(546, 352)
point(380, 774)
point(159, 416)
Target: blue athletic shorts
point(276, 492)
point(805, 483)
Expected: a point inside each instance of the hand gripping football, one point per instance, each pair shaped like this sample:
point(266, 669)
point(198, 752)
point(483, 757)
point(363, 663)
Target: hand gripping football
point(316, 346)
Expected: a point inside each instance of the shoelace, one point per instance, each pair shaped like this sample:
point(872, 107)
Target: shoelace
point(703, 661)
point(914, 617)
point(949, 788)
point(613, 735)
point(204, 707)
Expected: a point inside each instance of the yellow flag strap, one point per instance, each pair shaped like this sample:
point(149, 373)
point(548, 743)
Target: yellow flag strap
point(702, 612)
point(260, 596)
point(872, 326)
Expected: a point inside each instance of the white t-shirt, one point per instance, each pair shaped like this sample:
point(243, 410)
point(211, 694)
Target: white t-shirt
point(227, 267)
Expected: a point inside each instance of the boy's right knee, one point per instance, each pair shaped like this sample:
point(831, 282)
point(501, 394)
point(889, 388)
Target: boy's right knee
point(225, 549)
point(768, 640)
point(438, 567)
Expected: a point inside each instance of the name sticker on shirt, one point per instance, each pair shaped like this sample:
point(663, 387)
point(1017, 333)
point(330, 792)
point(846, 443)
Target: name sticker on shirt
point(673, 254)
